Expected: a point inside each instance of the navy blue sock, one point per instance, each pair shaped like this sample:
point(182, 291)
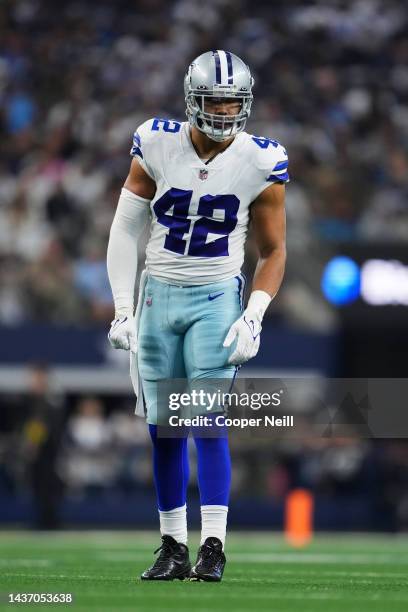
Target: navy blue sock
point(171, 470)
point(213, 470)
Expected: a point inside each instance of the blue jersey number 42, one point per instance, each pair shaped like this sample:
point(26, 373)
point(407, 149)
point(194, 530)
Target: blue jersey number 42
point(179, 224)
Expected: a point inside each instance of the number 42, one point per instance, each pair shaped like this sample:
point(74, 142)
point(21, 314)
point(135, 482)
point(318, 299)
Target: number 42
point(179, 223)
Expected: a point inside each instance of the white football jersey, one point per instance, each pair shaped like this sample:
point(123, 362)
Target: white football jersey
point(200, 212)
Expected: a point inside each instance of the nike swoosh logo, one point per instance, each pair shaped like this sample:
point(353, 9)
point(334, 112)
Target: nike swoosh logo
point(116, 323)
point(214, 297)
point(251, 326)
point(178, 561)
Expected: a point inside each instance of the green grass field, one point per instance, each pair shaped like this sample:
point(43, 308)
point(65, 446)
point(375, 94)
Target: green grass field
point(342, 572)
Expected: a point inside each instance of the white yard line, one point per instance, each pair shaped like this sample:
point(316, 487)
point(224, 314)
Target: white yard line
point(234, 557)
point(70, 577)
point(308, 557)
point(288, 557)
point(26, 562)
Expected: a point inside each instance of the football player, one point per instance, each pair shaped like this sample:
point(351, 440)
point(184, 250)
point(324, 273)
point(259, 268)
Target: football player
point(196, 186)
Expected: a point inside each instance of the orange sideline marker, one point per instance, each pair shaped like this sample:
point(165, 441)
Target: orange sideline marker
point(299, 517)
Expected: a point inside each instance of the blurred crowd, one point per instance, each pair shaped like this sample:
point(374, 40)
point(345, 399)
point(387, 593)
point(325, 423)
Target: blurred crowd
point(331, 84)
point(56, 449)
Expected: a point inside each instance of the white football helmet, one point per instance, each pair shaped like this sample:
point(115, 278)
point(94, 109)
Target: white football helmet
point(218, 74)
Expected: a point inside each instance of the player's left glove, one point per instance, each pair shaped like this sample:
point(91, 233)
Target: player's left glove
point(122, 333)
point(247, 328)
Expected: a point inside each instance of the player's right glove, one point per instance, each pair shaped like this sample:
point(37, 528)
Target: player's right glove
point(122, 333)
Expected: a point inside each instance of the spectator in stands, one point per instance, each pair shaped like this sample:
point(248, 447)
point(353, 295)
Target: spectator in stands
point(42, 435)
point(88, 460)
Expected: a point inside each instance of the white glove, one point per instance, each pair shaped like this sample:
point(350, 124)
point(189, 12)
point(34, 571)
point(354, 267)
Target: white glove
point(122, 333)
point(247, 329)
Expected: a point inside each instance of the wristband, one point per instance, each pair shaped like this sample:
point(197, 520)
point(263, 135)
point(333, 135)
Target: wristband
point(258, 302)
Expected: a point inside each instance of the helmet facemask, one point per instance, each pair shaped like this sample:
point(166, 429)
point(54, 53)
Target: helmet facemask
point(217, 127)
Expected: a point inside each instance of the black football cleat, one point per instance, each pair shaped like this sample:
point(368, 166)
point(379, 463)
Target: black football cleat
point(173, 562)
point(210, 562)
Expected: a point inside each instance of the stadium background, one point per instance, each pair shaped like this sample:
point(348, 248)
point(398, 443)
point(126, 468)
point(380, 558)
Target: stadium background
point(332, 85)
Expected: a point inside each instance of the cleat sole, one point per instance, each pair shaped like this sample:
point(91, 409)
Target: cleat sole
point(204, 579)
point(183, 576)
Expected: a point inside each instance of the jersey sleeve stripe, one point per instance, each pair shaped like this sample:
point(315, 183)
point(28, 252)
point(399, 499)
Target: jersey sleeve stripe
point(275, 178)
point(282, 165)
point(136, 146)
point(136, 151)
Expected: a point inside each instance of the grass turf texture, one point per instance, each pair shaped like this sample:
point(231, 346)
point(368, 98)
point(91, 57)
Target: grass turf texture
point(101, 569)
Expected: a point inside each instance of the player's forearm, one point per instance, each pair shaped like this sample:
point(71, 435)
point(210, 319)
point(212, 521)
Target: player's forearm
point(130, 220)
point(267, 278)
point(269, 271)
point(122, 270)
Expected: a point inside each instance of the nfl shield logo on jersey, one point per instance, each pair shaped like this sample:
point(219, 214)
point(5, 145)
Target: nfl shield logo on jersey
point(203, 174)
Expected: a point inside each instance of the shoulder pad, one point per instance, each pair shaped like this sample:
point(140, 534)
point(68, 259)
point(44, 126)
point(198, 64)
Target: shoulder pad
point(149, 131)
point(270, 156)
